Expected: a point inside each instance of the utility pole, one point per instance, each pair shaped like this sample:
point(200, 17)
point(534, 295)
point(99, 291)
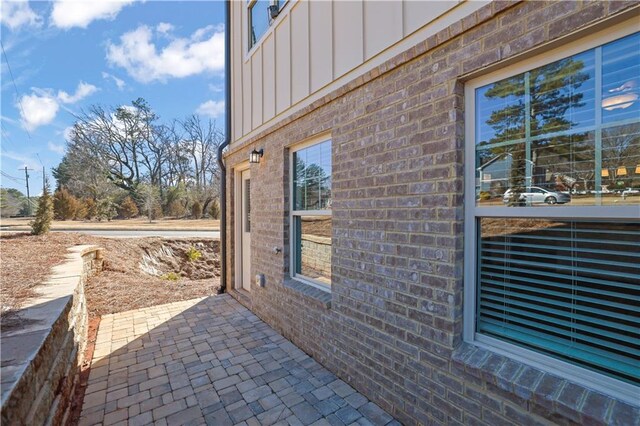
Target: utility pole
point(26, 176)
point(44, 179)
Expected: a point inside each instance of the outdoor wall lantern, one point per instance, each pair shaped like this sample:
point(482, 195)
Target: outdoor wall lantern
point(255, 156)
point(638, 169)
point(605, 173)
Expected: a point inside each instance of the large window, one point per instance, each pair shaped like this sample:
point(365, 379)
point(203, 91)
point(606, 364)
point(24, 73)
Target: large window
point(311, 213)
point(553, 198)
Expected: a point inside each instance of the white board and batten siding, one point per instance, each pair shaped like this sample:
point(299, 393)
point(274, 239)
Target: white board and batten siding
point(316, 46)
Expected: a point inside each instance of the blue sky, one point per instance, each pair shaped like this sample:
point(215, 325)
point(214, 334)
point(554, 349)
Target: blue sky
point(67, 55)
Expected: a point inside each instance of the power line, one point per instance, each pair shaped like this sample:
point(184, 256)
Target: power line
point(5, 136)
point(6, 59)
point(7, 175)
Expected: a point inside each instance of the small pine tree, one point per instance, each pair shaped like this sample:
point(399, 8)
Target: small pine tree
point(106, 209)
point(44, 214)
point(150, 200)
point(214, 210)
point(176, 209)
point(196, 210)
point(128, 208)
point(90, 208)
point(65, 205)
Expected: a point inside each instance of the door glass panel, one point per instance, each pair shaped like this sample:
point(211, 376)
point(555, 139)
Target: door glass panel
point(247, 205)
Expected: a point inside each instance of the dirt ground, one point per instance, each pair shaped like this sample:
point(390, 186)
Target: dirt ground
point(138, 224)
point(137, 272)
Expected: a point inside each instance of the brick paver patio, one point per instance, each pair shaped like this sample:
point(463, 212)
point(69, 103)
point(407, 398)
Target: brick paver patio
point(212, 361)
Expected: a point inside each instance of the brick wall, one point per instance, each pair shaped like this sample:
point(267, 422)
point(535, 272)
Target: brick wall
point(393, 328)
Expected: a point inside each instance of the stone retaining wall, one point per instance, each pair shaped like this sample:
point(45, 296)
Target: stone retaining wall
point(40, 360)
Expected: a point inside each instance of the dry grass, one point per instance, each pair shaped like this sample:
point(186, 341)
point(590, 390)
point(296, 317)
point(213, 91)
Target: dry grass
point(22, 224)
point(26, 262)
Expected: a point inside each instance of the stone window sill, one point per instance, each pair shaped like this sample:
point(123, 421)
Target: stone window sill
point(307, 290)
point(546, 394)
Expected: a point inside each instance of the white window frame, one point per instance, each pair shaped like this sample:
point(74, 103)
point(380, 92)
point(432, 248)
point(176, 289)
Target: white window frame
point(297, 213)
point(588, 378)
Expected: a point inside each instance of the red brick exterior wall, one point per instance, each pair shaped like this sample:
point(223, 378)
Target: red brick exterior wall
point(393, 329)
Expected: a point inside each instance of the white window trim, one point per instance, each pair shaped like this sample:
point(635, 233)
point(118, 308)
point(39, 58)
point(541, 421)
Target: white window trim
point(583, 376)
point(294, 213)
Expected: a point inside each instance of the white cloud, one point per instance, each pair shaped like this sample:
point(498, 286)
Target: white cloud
point(74, 13)
point(164, 27)
point(41, 106)
point(37, 110)
point(216, 88)
point(119, 83)
point(16, 14)
point(213, 109)
point(83, 90)
point(58, 149)
point(182, 57)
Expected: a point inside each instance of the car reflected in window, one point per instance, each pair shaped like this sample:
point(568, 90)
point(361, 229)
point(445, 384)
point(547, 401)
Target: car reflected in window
point(536, 195)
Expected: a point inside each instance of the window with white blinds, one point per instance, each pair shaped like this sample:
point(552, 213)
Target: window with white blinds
point(552, 267)
point(564, 288)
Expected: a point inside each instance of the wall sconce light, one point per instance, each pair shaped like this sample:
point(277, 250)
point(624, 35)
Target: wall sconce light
point(255, 156)
point(638, 169)
point(605, 173)
point(622, 171)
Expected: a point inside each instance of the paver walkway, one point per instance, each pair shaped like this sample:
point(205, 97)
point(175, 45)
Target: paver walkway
point(212, 361)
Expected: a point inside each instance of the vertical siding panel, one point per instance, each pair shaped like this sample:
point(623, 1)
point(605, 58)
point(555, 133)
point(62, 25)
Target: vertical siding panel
point(419, 13)
point(283, 66)
point(320, 37)
point(256, 88)
point(382, 25)
point(268, 79)
point(236, 70)
point(300, 51)
point(246, 97)
point(347, 24)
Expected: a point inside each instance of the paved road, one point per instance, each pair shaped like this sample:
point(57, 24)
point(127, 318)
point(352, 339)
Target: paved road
point(134, 234)
point(115, 233)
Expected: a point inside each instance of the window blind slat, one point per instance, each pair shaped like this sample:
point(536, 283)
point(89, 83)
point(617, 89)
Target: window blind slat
point(516, 256)
point(535, 264)
point(615, 252)
point(572, 314)
point(571, 298)
point(494, 278)
point(586, 279)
